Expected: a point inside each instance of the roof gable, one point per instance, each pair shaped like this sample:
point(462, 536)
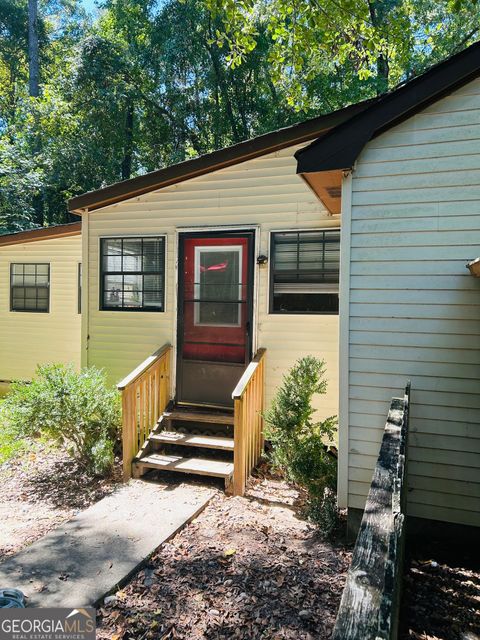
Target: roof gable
point(339, 148)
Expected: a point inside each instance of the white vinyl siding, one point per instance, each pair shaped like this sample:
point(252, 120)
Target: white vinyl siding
point(414, 308)
point(28, 339)
point(265, 192)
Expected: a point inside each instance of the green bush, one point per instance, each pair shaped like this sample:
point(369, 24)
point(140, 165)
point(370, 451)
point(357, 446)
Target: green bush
point(11, 442)
point(77, 410)
point(299, 442)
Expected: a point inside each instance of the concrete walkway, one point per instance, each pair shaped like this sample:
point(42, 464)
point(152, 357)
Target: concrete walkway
point(78, 563)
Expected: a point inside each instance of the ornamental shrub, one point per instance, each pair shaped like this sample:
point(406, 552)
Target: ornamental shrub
point(11, 442)
point(299, 442)
point(77, 410)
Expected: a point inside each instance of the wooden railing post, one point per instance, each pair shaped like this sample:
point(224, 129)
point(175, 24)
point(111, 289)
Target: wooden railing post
point(127, 430)
point(248, 398)
point(145, 395)
point(238, 450)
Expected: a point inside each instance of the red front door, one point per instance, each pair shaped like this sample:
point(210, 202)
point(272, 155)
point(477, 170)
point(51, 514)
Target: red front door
point(214, 315)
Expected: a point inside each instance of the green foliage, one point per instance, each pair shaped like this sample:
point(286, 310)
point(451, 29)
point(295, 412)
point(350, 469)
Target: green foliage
point(11, 441)
point(145, 84)
point(323, 511)
point(77, 410)
point(381, 41)
point(299, 442)
point(140, 87)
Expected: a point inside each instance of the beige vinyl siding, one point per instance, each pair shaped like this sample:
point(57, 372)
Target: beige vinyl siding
point(28, 339)
point(414, 308)
point(264, 192)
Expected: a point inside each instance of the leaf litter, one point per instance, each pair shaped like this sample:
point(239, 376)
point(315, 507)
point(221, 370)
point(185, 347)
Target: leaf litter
point(42, 488)
point(244, 568)
point(441, 591)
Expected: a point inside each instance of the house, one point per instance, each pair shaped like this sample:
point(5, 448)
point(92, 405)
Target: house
point(39, 299)
point(234, 257)
point(247, 256)
point(219, 256)
point(409, 308)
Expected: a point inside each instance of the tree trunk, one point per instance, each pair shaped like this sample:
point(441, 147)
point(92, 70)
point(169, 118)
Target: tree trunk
point(382, 75)
point(34, 92)
point(375, 9)
point(222, 84)
point(33, 57)
point(128, 145)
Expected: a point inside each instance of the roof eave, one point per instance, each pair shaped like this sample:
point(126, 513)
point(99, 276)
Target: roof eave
point(229, 156)
point(340, 147)
point(42, 233)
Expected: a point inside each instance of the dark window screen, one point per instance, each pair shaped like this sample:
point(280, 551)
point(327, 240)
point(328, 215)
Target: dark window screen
point(305, 271)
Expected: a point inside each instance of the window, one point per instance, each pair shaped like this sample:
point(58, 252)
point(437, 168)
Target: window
point(133, 274)
point(218, 286)
point(79, 288)
point(29, 287)
point(304, 271)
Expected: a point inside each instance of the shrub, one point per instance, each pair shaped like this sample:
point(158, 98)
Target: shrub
point(77, 410)
point(299, 443)
point(11, 442)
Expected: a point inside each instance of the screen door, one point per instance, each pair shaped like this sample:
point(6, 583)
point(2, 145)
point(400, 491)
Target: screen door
point(214, 315)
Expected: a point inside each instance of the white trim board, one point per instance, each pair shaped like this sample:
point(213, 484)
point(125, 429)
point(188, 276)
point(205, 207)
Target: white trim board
point(344, 341)
point(85, 291)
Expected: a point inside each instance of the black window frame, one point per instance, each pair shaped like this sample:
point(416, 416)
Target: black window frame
point(272, 272)
point(103, 274)
point(36, 286)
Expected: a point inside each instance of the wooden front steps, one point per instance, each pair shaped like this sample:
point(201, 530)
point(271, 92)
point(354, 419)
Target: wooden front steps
point(207, 442)
point(201, 466)
point(232, 439)
point(189, 441)
point(200, 416)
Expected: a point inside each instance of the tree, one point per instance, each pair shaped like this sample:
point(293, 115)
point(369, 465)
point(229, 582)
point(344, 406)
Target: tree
point(26, 172)
point(381, 39)
point(148, 84)
point(33, 53)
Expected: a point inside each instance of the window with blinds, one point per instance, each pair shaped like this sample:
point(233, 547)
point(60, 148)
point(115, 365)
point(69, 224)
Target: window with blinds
point(304, 271)
point(133, 274)
point(30, 287)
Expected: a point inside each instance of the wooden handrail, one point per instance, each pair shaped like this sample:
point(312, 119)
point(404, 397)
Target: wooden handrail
point(247, 374)
point(145, 395)
point(248, 398)
point(146, 364)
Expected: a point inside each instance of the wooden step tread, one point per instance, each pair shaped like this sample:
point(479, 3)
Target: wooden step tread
point(191, 440)
point(200, 466)
point(192, 416)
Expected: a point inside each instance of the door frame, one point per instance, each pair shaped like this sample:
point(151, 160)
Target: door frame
point(190, 231)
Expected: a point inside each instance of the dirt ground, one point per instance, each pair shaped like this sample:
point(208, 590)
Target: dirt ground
point(41, 489)
point(441, 597)
point(245, 568)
